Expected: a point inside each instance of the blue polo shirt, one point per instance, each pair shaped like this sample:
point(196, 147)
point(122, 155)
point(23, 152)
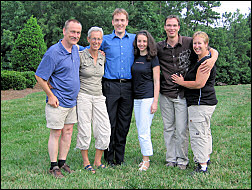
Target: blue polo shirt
point(62, 70)
point(119, 55)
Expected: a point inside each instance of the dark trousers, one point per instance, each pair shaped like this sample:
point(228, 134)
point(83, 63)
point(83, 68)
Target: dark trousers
point(119, 101)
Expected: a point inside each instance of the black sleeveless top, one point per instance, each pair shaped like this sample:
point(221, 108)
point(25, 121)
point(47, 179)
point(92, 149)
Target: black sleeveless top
point(205, 95)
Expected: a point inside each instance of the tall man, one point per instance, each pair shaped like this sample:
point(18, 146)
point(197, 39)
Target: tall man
point(60, 65)
point(175, 54)
point(119, 51)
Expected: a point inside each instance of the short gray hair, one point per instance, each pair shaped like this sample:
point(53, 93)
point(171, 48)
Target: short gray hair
point(71, 20)
point(95, 28)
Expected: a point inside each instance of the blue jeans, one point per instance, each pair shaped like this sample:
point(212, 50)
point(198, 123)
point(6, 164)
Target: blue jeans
point(143, 116)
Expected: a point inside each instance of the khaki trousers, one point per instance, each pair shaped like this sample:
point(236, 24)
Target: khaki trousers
point(176, 133)
point(92, 110)
point(200, 133)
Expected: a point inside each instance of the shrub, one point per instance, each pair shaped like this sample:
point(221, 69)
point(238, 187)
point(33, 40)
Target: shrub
point(30, 78)
point(12, 79)
point(29, 47)
point(7, 43)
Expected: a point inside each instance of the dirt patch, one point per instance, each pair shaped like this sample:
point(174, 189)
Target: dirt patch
point(14, 94)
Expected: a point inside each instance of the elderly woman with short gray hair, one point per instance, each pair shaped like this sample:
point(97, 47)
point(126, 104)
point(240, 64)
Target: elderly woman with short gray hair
point(91, 107)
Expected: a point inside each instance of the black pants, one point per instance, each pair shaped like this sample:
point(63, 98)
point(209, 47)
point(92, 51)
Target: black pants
point(119, 101)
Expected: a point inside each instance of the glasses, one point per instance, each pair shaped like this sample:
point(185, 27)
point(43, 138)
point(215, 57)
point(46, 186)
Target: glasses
point(95, 39)
point(170, 25)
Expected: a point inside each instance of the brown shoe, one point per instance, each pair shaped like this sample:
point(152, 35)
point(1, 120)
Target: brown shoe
point(181, 166)
point(66, 168)
point(170, 164)
point(56, 172)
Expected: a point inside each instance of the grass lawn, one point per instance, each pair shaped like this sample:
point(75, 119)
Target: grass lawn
point(25, 160)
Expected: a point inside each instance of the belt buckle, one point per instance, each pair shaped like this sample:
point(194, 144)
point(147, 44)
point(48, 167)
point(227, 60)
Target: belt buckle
point(122, 80)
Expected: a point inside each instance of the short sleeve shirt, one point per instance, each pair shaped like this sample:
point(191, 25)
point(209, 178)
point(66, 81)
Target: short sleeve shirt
point(142, 75)
point(174, 60)
point(61, 68)
point(90, 74)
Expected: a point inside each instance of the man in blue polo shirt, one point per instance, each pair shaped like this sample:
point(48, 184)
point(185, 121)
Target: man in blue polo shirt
point(116, 86)
point(60, 66)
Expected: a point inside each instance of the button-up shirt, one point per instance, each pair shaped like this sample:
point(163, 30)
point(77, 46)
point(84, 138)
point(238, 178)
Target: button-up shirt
point(174, 60)
point(90, 74)
point(119, 55)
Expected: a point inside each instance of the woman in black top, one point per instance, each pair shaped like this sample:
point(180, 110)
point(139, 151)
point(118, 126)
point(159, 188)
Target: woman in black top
point(201, 101)
point(145, 75)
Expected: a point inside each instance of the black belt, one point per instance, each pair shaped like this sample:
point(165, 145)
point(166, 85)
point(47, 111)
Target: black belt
point(117, 80)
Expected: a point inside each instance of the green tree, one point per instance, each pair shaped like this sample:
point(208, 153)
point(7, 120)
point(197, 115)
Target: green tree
point(197, 14)
point(233, 43)
point(146, 16)
point(13, 16)
point(240, 38)
point(7, 42)
point(232, 40)
point(29, 47)
point(206, 15)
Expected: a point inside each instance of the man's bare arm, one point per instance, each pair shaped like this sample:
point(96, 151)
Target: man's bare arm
point(52, 100)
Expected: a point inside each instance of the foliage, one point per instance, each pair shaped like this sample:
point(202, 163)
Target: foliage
point(30, 78)
point(12, 79)
point(229, 33)
point(199, 13)
point(13, 16)
point(7, 42)
point(25, 161)
point(233, 42)
point(17, 80)
point(240, 38)
point(29, 47)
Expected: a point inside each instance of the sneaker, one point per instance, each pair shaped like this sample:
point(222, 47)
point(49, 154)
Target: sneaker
point(208, 162)
point(198, 170)
point(119, 163)
point(66, 168)
point(170, 164)
point(56, 172)
point(182, 166)
point(111, 164)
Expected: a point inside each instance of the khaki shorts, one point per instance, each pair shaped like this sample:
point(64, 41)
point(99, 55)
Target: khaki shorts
point(57, 117)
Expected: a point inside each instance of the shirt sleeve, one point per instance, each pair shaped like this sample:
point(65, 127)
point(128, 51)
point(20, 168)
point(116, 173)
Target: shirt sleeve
point(154, 62)
point(46, 67)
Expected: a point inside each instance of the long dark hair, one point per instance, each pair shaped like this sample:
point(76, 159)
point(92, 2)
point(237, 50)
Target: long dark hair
point(151, 45)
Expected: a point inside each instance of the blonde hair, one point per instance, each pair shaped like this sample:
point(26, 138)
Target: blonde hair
point(119, 11)
point(202, 35)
